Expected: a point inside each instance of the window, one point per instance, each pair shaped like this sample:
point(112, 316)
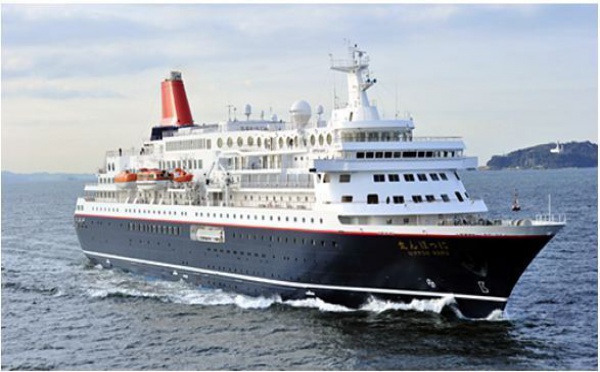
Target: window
point(360, 155)
point(393, 178)
point(346, 198)
point(434, 176)
point(387, 155)
point(379, 177)
point(326, 178)
point(430, 198)
point(369, 155)
point(417, 198)
point(456, 175)
point(398, 199)
point(379, 155)
point(410, 154)
point(443, 176)
point(409, 177)
point(459, 196)
point(344, 178)
point(422, 177)
point(397, 154)
point(445, 198)
point(372, 199)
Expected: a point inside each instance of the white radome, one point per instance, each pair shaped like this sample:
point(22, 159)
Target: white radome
point(300, 112)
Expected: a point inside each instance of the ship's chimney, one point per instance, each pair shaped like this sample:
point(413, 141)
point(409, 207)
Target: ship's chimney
point(175, 106)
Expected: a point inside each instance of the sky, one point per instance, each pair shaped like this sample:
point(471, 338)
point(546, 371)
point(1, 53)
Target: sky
point(81, 79)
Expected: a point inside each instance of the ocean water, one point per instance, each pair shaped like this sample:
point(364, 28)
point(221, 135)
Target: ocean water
point(59, 312)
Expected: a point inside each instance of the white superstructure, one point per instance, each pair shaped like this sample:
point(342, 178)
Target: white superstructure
point(353, 172)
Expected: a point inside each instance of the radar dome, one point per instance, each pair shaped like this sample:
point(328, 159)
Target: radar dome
point(300, 112)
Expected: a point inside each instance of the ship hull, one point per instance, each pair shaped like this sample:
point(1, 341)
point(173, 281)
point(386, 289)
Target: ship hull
point(478, 272)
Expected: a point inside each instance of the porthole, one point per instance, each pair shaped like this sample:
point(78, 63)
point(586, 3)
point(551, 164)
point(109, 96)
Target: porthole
point(240, 141)
point(329, 139)
point(250, 141)
point(220, 142)
point(321, 140)
point(281, 142)
point(313, 140)
point(258, 141)
point(229, 142)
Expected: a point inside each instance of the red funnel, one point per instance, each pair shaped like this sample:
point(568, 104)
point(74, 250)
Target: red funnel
point(175, 106)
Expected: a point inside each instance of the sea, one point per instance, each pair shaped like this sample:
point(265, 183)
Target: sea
point(61, 313)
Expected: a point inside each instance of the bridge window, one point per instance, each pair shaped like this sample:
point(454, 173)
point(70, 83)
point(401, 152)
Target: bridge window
point(434, 176)
point(417, 198)
point(422, 177)
point(409, 177)
point(379, 177)
point(443, 176)
point(459, 196)
point(445, 198)
point(398, 199)
point(430, 198)
point(393, 178)
point(346, 198)
point(372, 199)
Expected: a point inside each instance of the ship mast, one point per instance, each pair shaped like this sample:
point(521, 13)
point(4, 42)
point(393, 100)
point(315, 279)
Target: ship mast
point(357, 72)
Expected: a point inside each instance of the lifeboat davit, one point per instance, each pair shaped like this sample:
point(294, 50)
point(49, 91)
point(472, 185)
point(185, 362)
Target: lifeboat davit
point(125, 180)
point(153, 179)
point(181, 176)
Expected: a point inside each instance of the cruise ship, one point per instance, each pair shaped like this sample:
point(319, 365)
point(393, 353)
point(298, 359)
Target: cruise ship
point(346, 209)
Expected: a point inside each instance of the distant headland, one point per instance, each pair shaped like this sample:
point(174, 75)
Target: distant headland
point(12, 177)
point(549, 156)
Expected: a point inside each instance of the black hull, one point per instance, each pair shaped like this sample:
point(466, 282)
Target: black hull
point(348, 269)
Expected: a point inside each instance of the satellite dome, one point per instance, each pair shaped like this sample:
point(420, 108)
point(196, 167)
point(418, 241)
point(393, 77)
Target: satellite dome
point(300, 112)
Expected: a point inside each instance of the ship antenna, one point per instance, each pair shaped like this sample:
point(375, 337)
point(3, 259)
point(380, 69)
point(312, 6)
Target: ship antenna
point(335, 97)
point(229, 107)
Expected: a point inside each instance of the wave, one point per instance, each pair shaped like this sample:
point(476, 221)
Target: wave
point(120, 285)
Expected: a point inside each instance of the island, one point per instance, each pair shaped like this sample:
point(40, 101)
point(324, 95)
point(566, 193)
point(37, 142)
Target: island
point(549, 156)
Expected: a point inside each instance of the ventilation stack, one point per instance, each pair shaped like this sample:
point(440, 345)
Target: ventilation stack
point(175, 106)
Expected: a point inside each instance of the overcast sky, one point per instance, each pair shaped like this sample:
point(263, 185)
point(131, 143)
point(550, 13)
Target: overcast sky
point(78, 80)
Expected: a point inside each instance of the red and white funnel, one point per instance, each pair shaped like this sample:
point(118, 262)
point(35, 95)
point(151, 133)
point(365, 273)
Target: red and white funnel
point(175, 106)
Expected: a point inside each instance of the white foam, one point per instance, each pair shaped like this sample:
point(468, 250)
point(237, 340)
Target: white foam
point(431, 305)
point(497, 316)
point(317, 303)
point(182, 292)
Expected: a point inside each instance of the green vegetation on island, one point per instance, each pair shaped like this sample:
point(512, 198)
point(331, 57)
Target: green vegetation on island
point(549, 156)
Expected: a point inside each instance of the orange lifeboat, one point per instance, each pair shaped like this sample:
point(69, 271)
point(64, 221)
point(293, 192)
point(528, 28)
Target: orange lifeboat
point(125, 179)
point(180, 176)
point(153, 179)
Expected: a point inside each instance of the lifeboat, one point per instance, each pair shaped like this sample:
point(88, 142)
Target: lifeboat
point(125, 179)
point(181, 176)
point(153, 179)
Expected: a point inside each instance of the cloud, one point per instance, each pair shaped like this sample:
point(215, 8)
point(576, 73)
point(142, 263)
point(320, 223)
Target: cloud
point(476, 70)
